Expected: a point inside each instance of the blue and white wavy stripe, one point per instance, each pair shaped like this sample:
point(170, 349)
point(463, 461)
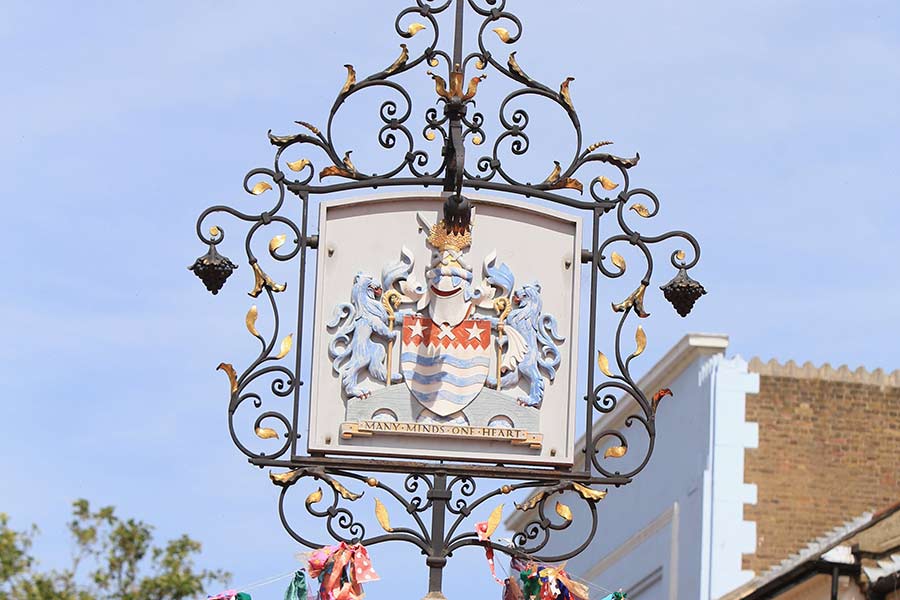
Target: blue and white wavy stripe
point(444, 359)
point(477, 379)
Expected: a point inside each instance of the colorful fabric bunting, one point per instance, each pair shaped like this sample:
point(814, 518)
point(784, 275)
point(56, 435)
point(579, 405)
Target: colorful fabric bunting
point(542, 582)
point(340, 571)
point(297, 588)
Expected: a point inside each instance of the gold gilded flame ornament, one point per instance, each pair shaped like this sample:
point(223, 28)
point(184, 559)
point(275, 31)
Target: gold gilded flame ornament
point(503, 34)
point(473, 87)
point(607, 183)
point(658, 396)
point(556, 182)
point(564, 92)
point(277, 242)
point(381, 514)
point(636, 300)
point(250, 320)
point(285, 478)
point(351, 79)
point(440, 85)
point(314, 497)
point(340, 489)
point(554, 174)
point(564, 511)
point(531, 502)
point(603, 363)
point(260, 187)
point(286, 344)
point(415, 28)
point(615, 452)
point(640, 338)
point(261, 280)
point(587, 493)
point(514, 67)
point(401, 60)
point(266, 433)
point(640, 209)
point(348, 170)
point(232, 375)
point(298, 165)
point(618, 261)
point(493, 521)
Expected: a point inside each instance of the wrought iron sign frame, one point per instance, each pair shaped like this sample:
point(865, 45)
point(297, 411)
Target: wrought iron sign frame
point(446, 488)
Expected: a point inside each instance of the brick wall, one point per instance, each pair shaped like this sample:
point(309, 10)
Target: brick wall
point(829, 450)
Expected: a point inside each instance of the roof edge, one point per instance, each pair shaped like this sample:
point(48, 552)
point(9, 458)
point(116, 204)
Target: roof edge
point(826, 372)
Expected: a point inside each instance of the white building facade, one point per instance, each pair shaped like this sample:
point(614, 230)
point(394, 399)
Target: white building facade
point(678, 532)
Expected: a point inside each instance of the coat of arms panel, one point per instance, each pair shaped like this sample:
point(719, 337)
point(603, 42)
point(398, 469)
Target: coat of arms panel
point(440, 343)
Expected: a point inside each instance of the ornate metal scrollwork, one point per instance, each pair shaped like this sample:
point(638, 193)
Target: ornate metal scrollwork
point(317, 158)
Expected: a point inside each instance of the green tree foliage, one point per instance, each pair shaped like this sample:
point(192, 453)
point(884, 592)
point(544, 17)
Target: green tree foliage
point(112, 559)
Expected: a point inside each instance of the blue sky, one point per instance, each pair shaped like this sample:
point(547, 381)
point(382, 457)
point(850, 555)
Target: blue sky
point(769, 129)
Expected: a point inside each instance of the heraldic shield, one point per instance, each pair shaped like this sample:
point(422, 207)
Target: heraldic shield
point(444, 366)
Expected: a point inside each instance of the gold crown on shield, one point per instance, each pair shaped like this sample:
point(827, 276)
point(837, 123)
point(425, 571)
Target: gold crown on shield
point(443, 238)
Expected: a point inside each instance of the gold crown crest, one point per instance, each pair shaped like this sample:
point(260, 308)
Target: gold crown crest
point(443, 238)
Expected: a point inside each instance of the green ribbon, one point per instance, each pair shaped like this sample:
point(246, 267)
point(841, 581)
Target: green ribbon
point(297, 588)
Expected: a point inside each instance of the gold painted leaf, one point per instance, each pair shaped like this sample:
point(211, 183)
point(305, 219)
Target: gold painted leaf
point(603, 363)
point(503, 34)
point(641, 339)
point(493, 521)
point(615, 452)
point(414, 28)
point(266, 433)
point(334, 171)
point(298, 165)
point(618, 260)
point(286, 344)
point(260, 187)
point(607, 183)
point(232, 375)
point(640, 209)
point(277, 242)
point(564, 511)
point(480, 64)
point(381, 514)
point(344, 492)
point(251, 320)
point(284, 478)
point(587, 493)
point(531, 502)
point(314, 497)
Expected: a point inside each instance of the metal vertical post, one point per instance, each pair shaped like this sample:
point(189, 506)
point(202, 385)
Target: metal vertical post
point(437, 559)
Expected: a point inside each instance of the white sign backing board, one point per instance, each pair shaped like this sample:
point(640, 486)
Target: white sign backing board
point(437, 344)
